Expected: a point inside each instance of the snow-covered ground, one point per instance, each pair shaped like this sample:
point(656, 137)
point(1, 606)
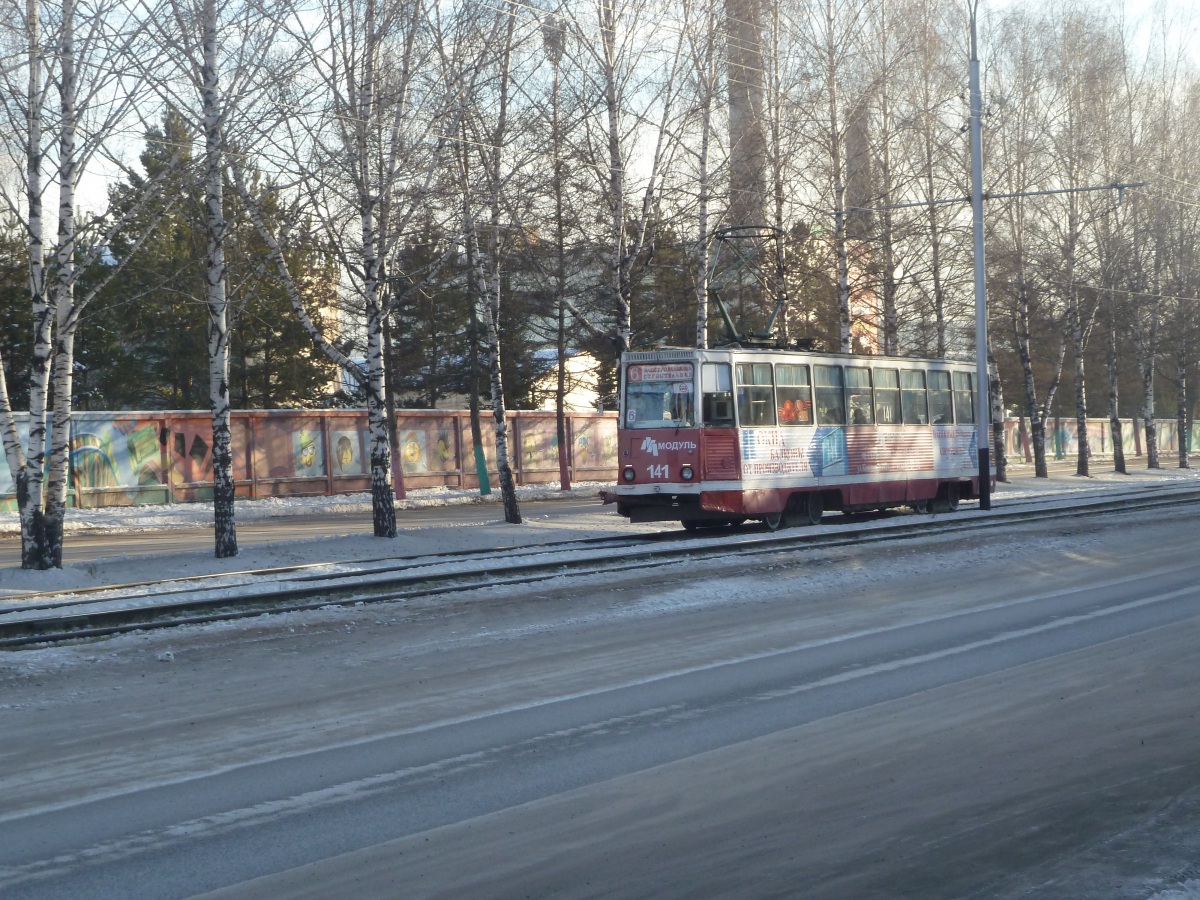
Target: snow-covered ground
point(143, 523)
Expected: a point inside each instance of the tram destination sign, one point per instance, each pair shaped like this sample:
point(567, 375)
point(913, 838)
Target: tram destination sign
point(661, 372)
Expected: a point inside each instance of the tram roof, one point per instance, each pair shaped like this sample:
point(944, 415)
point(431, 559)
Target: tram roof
point(682, 353)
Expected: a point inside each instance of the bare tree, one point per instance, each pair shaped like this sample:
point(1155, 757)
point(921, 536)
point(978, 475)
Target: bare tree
point(85, 55)
point(488, 131)
point(702, 23)
point(639, 94)
point(361, 139)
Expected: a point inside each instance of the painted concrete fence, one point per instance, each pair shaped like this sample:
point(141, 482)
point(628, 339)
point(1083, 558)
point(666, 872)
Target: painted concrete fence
point(121, 459)
point(1062, 439)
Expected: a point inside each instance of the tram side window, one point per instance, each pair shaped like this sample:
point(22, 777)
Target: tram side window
point(913, 405)
point(858, 395)
point(831, 401)
point(964, 398)
point(755, 395)
point(794, 395)
point(941, 406)
point(717, 393)
point(887, 396)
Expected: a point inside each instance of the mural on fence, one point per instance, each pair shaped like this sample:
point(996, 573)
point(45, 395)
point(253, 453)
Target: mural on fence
point(121, 454)
point(141, 458)
point(1062, 438)
point(347, 452)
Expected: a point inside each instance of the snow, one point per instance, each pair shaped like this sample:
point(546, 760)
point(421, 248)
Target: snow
point(1189, 890)
point(134, 519)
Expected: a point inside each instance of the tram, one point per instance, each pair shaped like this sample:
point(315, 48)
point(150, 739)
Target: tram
point(717, 437)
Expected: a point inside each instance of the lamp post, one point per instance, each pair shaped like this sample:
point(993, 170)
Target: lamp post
point(983, 429)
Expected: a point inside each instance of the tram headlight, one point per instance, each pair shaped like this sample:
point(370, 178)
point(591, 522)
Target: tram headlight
point(687, 473)
point(628, 474)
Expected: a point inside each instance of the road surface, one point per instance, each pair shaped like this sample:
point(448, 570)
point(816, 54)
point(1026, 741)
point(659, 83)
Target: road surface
point(1013, 715)
point(85, 547)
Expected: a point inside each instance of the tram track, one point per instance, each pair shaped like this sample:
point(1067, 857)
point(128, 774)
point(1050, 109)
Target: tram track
point(105, 611)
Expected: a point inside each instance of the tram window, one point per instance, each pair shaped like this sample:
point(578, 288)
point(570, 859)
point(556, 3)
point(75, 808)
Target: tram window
point(755, 395)
point(913, 405)
point(941, 406)
point(794, 394)
point(858, 395)
point(717, 393)
point(660, 396)
point(964, 397)
point(831, 401)
point(887, 396)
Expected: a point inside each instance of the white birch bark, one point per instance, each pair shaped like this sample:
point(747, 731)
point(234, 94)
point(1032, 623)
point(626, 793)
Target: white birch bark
point(836, 146)
point(63, 287)
point(554, 36)
point(363, 160)
point(704, 59)
point(42, 472)
point(29, 478)
point(628, 232)
point(212, 113)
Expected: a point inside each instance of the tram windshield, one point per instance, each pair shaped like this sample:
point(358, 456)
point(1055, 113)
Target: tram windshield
point(660, 395)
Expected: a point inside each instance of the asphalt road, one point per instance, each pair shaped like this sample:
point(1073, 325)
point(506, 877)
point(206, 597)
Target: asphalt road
point(1012, 716)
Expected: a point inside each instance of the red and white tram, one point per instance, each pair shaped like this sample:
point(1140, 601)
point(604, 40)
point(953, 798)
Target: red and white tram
point(711, 437)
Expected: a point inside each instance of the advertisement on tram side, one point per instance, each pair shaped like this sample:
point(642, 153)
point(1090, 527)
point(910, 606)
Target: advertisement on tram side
point(835, 451)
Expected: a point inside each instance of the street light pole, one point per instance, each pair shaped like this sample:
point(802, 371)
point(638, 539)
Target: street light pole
point(982, 383)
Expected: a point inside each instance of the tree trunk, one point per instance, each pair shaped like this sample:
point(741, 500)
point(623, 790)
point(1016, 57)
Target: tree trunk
point(1150, 426)
point(508, 487)
point(996, 398)
point(64, 295)
point(554, 45)
point(616, 178)
point(1076, 328)
point(29, 478)
point(1037, 420)
point(481, 468)
point(845, 337)
point(1114, 414)
point(383, 497)
point(218, 307)
point(1181, 380)
point(705, 77)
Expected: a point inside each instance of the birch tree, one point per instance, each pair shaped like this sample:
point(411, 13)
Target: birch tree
point(361, 138)
point(490, 137)
point(1078, 67)
point(703, 31)
point(636, 73)
point(1018, 155)
point(84, 55)
point(221, 55)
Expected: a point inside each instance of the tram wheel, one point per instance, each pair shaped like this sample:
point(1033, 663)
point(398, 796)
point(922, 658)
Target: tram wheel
point(774, 521)
point(947, 498)
point(921, 507)
point(811, 508)
point(689, 524)
point(952, 495)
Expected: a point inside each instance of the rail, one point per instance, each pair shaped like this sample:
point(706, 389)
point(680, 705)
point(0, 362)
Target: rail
point(110, 610)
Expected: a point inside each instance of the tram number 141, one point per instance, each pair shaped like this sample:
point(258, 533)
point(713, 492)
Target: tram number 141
point(656, 471)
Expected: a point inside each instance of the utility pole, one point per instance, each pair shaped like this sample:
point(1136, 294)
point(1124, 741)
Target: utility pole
point(982, 411)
